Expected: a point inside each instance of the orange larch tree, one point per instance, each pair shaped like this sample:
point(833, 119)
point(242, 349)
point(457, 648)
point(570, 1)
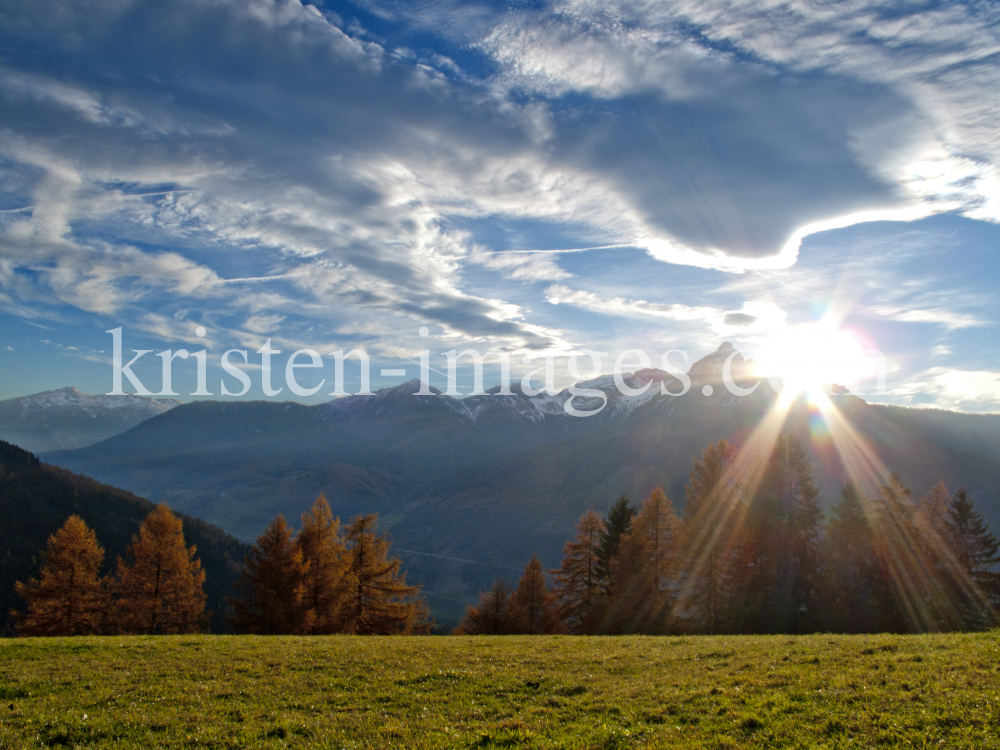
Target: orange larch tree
point(68, 598)
point(159, 586)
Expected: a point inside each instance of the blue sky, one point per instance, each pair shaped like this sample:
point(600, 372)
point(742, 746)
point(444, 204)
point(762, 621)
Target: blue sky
point(538, 177)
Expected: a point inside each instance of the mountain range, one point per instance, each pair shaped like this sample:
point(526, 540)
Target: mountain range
point(67, 418)
point(470, 487)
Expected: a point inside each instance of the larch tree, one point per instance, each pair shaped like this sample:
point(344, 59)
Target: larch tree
point(68, 598)
point(776, 571)
point(494, 615)
point(159, 587)
point(577, 580)
point(643, 587)
point(712, 509)
point(271, 588)
point(379, 602)
point(533, 604)
point(328, 577)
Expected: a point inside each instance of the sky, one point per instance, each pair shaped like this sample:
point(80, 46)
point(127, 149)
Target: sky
point(536, 177)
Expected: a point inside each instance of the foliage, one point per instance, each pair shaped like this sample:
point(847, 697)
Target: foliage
point(379, 602)
point(36, 499)
point(270, 590)
point(68, 598)
point(159, 587)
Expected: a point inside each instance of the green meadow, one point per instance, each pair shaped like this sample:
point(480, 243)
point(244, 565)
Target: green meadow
point(820, 691)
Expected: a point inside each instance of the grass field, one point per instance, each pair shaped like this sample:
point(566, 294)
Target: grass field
point(940, 691)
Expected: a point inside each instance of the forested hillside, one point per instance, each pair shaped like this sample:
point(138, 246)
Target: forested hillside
point(36, 499)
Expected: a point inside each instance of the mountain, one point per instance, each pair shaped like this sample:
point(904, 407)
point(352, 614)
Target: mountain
point(36, 499)
point(67, 418)
point(469, 488)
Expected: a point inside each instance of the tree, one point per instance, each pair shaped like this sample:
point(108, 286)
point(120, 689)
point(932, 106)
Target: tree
point(902, 599)
point(271, 587)
point(380, 601)
point(494, 615)
point(776, 569)
point(712, 508)
point(616, 525)
point(327, 579)
point(577, 583)
point(161, 589)
point(852, 583)
point(976, 552)
point(533, 604)
point(643, 589)
point(68, 598)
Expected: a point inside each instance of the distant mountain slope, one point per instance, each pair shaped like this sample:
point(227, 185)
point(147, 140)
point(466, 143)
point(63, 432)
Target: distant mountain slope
point(471, 487)
point(67, 418)
point(36, 499)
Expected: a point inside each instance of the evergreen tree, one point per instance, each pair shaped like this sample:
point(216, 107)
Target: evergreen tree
point(904, 584)
point(68, 598)
point(777, 567)
point(852, 581)
point(380, 602)
point(577, 582)
point(616, 525)
point(712, 509)
point(494, 615)
point(976, 551)
point(643, 581)
point(160, 588)
point(328, 578)
point(931, 519)
point(533, 604)
point(271, 587)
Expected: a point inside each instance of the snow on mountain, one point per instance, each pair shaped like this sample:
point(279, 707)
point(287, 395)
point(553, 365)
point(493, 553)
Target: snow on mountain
point(68, 418)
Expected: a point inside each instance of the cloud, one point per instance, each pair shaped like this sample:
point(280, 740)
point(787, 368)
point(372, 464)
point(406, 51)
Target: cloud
point(967, 390)
point(558, 294)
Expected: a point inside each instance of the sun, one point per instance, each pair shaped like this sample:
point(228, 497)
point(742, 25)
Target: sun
point(813, 356)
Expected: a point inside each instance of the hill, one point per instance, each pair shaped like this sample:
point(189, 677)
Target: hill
point(471, 487)
point(67, 418)
point(36, 499)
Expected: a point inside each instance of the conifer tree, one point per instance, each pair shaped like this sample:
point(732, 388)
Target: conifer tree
point(533, 604)
point(380, 602)
point(643, 581)
point(616, 524)
point(577, 580)
point(270, 589)
point(160, 588)
point(931, 519)
point(328, 578)
point(777, 567)
point(68, 598)
point(976, 551)
point(494, 615)
point(712, 509)
point(898, 544)
point(852, 583)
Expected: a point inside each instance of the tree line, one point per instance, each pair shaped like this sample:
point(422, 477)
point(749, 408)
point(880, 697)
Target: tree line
point(752, 553)
point(322, 580)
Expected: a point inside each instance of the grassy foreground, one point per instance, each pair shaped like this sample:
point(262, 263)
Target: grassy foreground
point(939, 691)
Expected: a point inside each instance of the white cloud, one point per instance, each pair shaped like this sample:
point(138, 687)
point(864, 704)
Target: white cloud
point(558, 294)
